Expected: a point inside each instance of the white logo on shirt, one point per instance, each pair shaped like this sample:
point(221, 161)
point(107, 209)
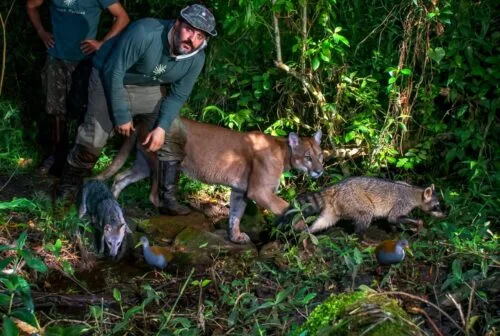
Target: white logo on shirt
point(69, 3)
point(159, 70)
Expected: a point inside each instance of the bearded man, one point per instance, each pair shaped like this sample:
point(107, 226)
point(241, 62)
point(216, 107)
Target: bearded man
point(126, 81)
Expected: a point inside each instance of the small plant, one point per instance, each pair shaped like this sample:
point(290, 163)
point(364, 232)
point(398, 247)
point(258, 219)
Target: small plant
point(17, 287)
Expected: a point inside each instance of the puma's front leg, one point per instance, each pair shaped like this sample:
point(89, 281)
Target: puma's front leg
point(237, 204)
point(268, 200)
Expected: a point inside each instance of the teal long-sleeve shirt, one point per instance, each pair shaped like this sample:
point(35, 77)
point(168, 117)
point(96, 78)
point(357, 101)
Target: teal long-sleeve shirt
point(141, 56)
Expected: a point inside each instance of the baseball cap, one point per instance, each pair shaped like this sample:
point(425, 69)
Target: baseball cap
point(200, 18)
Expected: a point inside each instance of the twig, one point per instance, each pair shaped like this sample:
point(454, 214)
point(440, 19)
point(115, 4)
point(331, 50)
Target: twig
point(386, 19)
point(469, 308)
point(66, 321)
point(4, 47)
point(15, 171)
point(425, 301)
point(431, 322)
point(459, 307)
point(176, 301)
point(277, 39)
point(486, 130)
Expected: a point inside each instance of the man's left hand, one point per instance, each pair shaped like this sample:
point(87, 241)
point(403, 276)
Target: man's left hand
point(154, 140)
point(90, 46)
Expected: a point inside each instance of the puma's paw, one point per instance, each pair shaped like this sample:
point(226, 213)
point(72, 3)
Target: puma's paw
point(241, 238)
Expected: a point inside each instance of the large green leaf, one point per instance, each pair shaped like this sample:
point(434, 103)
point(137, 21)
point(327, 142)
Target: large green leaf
point(8, 327)
point(436, 54)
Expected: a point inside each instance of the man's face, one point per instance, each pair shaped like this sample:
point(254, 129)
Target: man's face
point(187, 38)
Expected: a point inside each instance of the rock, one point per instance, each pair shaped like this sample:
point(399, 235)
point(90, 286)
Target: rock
point(201, 247)
point(168, 227)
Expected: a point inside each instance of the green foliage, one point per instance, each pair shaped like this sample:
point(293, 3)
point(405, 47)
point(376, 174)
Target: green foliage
point(14, 153)
point(16, 286)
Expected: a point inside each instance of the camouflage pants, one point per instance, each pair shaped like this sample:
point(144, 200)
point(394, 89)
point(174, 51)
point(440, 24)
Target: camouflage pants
point(143, 101)
point(56, 82)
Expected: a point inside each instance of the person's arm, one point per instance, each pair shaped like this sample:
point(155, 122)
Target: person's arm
point(171, 106)
point(125, 53)
point(34, 15)
point(121, 20)
point(179, 92)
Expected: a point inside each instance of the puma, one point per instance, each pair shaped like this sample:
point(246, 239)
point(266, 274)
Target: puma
point(250, 163)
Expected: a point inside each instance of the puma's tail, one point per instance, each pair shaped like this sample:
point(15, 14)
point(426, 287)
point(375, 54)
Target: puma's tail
point(120, 158)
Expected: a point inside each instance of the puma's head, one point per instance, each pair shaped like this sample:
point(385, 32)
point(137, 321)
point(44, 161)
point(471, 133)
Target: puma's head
point(113, 236)
point(306, 154)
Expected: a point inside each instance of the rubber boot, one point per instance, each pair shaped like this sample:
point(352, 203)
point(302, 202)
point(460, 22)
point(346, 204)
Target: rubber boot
point(72, 176)
point(168, 174)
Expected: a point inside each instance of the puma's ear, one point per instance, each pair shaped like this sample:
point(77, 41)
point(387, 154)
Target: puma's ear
point(293, 140)
point(317, 137)
point(107, 228)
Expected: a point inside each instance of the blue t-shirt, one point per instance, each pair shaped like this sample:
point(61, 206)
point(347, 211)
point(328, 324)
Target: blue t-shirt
point(72, 22)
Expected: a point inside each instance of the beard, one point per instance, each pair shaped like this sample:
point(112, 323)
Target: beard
point(182, 47)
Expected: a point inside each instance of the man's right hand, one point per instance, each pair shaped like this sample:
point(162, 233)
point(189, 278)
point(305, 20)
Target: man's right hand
point(125, 129)
point(47, 38)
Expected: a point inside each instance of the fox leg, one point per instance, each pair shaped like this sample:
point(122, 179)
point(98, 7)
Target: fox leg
point(396, 218)
point(101, 248)
point(83, 206)
point(408, 220)
point(83, 210)
point(418, 223)
point(238, 202)
point(325, 220)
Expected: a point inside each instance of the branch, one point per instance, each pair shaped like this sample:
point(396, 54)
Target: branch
point(305, 82)
point(277, 38)
point(320, 99)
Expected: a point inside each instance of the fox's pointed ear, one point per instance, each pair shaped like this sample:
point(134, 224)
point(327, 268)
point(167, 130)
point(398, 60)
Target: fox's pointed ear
point(293, 140)
point(428, 194)
point(127, 228)
point(317, 136)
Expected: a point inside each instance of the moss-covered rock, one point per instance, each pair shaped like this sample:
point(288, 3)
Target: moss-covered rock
point(358, 313)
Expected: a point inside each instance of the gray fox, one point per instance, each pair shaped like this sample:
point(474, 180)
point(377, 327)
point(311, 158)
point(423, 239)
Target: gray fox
point(362, 199)
point(107, 217)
